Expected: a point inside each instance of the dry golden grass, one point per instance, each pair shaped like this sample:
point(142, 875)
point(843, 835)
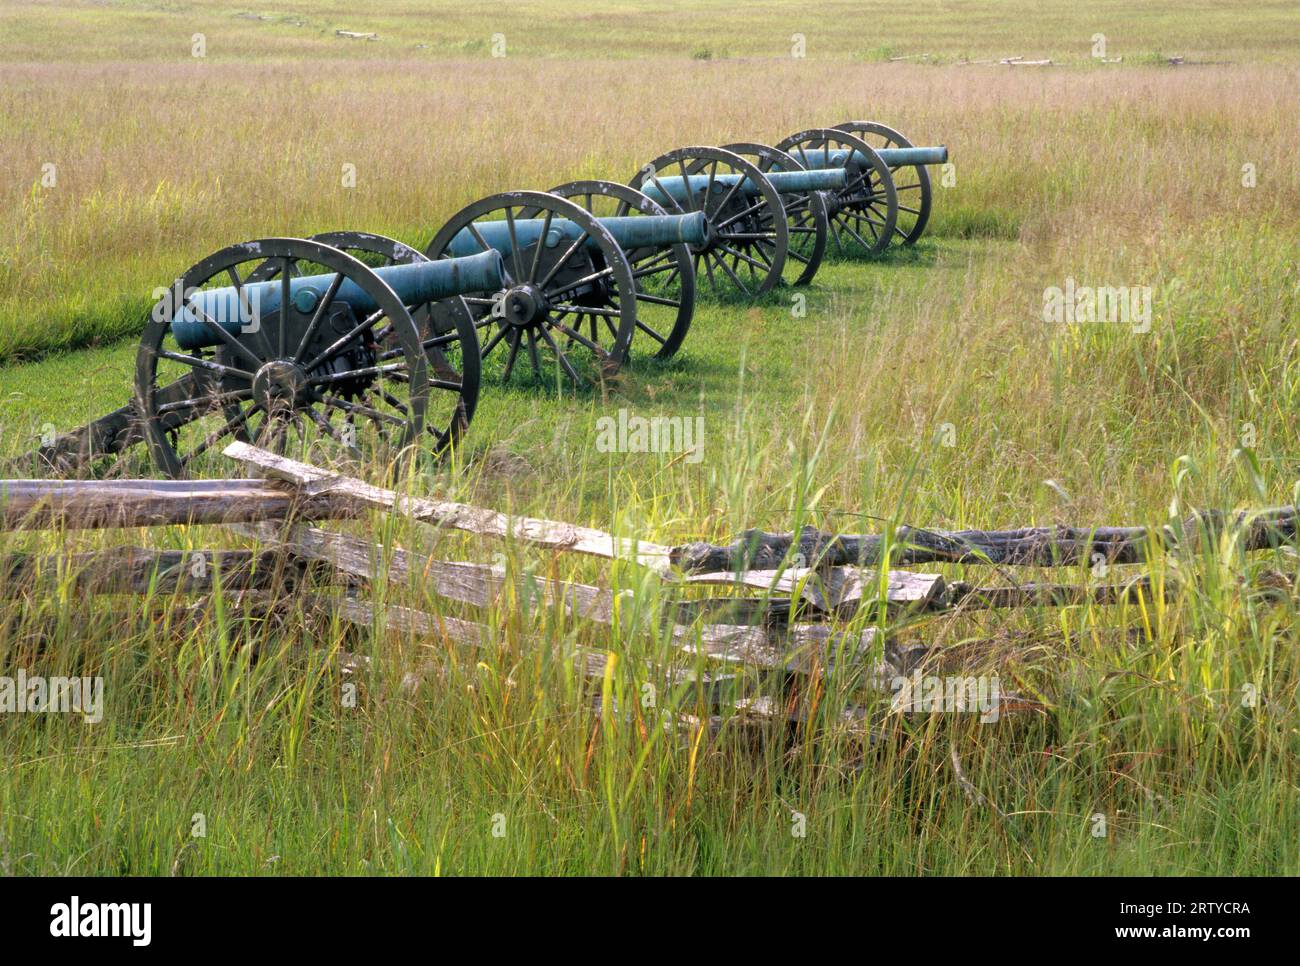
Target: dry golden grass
point(210, 153)
point(144, 31)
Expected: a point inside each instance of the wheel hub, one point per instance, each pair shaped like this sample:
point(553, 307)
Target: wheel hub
point(523, 305)
point(279, 385)
point(715, 211)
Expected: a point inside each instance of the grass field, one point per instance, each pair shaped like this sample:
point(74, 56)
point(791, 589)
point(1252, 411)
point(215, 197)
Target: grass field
point(924, 388)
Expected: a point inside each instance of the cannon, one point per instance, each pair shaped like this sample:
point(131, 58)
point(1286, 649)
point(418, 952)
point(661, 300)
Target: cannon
point(325, 358)
point(446, 329)
point(888, 197)
point(807, 218)
point(893, 157)
point(864, 213)
point(664, 274)
point(748, 232)
point(362, 344)
point(911, 180)
point(447, 414)
point(569, 271)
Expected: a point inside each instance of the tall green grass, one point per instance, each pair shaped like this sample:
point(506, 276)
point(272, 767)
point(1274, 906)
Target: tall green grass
point(237, 721)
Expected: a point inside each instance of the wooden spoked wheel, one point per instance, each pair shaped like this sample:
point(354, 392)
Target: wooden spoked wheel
point(286, 364)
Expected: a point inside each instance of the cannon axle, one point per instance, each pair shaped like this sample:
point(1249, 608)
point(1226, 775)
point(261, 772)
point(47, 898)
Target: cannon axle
point(281, 386)
point(524, 305)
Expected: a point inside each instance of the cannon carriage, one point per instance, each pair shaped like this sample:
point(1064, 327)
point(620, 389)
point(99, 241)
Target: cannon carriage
point(664, 274)
point(301, 346)
point(887, 197)
point(907, 166)
point(807, 221)
point(749, 226)
point(574, 300)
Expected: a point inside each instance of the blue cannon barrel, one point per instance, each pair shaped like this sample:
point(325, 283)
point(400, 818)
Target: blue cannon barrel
point(913, 157)
point(894, 157)
point(630, 231)
point(785, 182)
point(414, 284)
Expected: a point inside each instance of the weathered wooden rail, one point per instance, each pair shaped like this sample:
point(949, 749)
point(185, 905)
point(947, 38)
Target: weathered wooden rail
point(788, 620)
point(1026, 547)
point(137, 570)
point(110, 504)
